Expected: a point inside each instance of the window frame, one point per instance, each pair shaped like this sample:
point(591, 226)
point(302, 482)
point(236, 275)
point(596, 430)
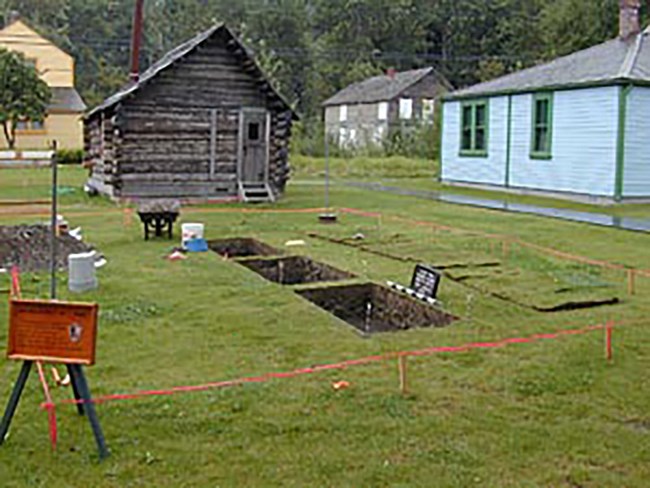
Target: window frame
point(382, 111)
point(473, 105)
point(428, 109)
point(406, 108)
point(343, 113)
point(29, 128)
point(534, 126)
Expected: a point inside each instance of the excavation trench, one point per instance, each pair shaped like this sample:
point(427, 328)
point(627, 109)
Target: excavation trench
point(241, 247)
point(295, 270)
point(373, 308)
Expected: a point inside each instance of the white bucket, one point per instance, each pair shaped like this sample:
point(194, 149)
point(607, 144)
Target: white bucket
point(191, 231)
point(81, 272)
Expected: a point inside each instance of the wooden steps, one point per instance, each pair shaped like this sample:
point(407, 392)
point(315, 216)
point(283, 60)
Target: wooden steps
point(255, 192)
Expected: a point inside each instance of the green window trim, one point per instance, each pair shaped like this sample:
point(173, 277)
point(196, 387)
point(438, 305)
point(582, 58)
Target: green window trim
point(541, 132)
point(474, 128)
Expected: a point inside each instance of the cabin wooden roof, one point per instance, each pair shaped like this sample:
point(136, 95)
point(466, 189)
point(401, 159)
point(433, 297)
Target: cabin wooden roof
point(175, 55)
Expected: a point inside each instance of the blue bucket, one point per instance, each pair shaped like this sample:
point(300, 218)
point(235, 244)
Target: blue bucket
point(196, 245)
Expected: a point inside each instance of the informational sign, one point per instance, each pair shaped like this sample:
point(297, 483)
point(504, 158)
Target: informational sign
point(58, 332)
point(426, 280)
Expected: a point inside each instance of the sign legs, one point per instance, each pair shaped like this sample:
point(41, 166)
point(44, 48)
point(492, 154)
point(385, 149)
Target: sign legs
point(75, 389)
point(14, 399)
point(81, 393)
point(79, 379)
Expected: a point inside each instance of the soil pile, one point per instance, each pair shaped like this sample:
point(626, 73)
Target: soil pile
point(28, 247)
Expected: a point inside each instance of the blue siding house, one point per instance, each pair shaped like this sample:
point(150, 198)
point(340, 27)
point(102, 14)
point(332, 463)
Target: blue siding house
point(578, 126)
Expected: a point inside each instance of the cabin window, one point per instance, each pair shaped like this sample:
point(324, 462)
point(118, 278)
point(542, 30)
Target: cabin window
point(542, 126)
point(474, 128)
point(382, 111)
point(405, 108)
point(343, 113)
point(254, 131)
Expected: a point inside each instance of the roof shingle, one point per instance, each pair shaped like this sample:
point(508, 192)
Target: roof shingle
point(169, 59)
point(611, 61)
point(378, 88)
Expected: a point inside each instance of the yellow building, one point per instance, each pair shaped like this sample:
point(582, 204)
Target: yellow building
point(63, 122)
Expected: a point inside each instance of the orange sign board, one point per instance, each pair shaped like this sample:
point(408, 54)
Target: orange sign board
point(41, 330)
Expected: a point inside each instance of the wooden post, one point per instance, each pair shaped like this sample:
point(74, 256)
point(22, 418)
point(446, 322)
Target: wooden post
point(401, 364)
point(505, 248)
point(128, 217)
point(608, 341)
point(631, 275)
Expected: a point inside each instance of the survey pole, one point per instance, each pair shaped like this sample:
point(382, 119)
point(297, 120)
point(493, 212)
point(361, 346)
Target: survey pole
point(53, 221)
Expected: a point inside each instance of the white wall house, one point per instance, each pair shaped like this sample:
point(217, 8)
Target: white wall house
point(365, 112)
point(576, 126)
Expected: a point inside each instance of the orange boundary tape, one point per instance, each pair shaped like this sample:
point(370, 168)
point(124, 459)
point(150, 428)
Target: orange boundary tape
point(372, 214)
point(504, 239)
point(345, 364)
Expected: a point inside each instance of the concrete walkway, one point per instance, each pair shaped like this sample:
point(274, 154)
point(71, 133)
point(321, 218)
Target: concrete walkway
point(602, 219)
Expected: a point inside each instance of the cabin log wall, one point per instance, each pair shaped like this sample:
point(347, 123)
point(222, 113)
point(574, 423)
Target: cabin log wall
point(160, 142)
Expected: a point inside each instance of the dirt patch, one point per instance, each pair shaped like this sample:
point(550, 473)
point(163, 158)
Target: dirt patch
point(372, 308)
point(295, 270)
point(28, 247)
point(242, 247)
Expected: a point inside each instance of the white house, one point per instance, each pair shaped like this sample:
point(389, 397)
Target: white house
point(577, 126)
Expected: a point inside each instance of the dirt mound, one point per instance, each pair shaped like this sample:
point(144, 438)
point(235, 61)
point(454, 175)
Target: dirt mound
point(28, 246)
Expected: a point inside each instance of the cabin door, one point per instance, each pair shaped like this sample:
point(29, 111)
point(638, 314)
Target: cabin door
point(254, 145)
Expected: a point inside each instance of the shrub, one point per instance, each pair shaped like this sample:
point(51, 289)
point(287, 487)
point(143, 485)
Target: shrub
point(70, 156)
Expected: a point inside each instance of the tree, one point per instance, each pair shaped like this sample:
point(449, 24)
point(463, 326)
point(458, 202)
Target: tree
point(23, 95)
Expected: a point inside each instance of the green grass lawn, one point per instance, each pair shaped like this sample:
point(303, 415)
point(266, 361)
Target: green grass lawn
point(550, 413)
point(421, 174)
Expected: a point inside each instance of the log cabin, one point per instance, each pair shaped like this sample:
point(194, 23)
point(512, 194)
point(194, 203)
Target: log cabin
point(203, 122)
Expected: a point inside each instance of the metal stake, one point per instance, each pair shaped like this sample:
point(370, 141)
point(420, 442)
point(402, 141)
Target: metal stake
point(327, 171)
point(53, 222)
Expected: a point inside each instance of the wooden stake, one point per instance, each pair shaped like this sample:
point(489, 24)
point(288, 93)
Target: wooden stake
point(401, 363)
point(608, 341)
point(631, 275)
point(128, 216)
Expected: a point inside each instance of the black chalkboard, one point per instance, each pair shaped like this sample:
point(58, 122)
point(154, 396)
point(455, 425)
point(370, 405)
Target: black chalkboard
point(426, 280)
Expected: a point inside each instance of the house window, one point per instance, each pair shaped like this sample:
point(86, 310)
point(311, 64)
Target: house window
point(37, 125)
point(428, 109)
point(542, 126)
point(343, 135)
point(474, 128)
point(382, 111)
point(30, 125)
point(405, 108)
point(343, 113)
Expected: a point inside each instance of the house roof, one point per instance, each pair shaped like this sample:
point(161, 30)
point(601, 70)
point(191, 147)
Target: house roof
point(613, 61)
point(379, 88)
point(66, 99)
point(169, 59)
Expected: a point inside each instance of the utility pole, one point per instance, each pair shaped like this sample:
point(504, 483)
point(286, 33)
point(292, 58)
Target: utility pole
point(136, 40)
